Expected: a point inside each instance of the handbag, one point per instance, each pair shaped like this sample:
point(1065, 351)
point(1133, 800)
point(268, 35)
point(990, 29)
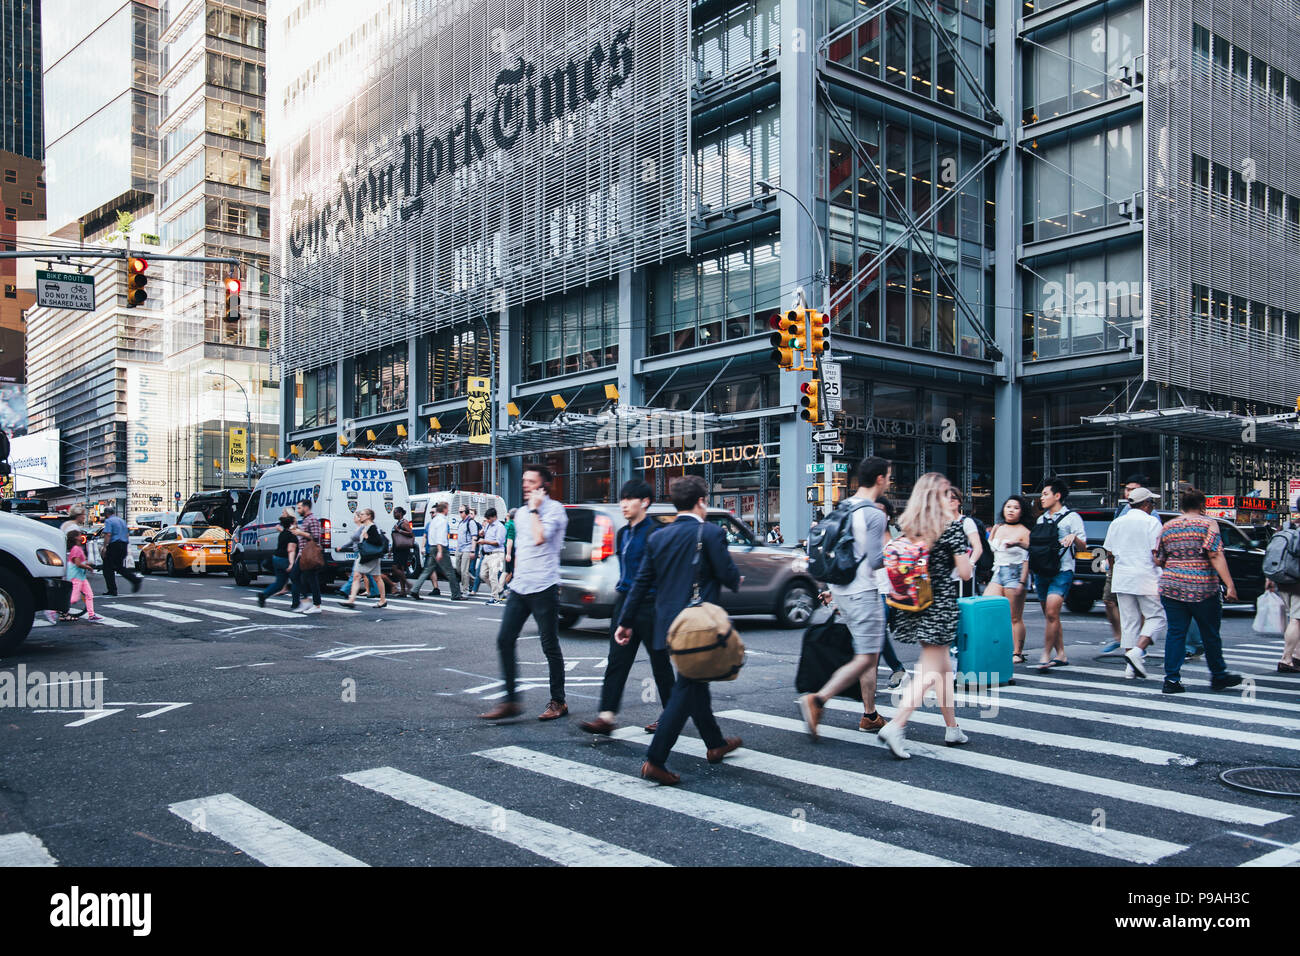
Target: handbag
point(310, 555)
point(702, 641)
point(369, 550)
point(826, 648)
point(403, 538)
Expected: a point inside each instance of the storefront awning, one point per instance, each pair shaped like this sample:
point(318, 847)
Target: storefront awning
point(623, 426)
point(1281, 432)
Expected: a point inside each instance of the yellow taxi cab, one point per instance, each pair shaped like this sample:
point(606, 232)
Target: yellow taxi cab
point(186, 548)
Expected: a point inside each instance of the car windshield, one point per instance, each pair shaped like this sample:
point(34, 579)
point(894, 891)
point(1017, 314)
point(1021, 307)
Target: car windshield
point(581, 523)
point(1095, 531)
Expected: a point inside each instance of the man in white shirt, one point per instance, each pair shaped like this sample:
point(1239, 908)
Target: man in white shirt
point(466, 546)
point(436, 555)
point(1132, 541)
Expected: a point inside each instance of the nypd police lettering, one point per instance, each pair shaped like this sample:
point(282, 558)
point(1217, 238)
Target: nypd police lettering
point(367, 479)
point(525, 98)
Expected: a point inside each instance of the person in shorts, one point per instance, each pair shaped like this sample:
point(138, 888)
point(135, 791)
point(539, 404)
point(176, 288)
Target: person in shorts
point(1009, 541)
point(1070, 534)
point(858, 602)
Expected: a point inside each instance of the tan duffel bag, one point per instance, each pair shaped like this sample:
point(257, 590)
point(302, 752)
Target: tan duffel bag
point(704, 645)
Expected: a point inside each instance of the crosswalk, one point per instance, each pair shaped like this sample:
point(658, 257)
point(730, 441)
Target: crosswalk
point(1063, 769)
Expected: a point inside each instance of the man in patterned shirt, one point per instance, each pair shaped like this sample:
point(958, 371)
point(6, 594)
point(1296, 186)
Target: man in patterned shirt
point(309, 526)
point(1191, 552)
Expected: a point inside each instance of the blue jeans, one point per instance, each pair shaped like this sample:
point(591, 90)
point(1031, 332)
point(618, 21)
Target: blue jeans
point(690, 698)
point(281, 568)
point(1207, 615)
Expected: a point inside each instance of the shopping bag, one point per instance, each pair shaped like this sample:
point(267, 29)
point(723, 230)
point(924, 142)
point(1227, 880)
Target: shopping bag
point(1270, 614)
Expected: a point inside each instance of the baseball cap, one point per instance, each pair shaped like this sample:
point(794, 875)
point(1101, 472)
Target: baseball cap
point(1139, 495)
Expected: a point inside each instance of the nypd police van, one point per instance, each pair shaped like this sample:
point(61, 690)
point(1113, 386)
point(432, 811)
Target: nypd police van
point(338, 487)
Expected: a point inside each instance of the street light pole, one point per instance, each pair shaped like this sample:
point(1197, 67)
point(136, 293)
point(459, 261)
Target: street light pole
point(825, 267)
point(248, 434)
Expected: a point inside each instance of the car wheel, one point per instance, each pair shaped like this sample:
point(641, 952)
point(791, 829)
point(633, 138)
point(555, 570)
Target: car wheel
point(797, 605)
point(17, 610)
point(566, 619)
point(242, 578)
point(1079, 603)
point(142, 565)
point(171, 566)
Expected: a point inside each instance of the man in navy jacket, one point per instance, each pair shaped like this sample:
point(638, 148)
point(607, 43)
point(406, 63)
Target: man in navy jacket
point(669, 570)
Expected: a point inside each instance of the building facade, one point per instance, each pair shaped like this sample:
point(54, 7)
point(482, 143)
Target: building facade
point(1007, 280)
point(214, 201)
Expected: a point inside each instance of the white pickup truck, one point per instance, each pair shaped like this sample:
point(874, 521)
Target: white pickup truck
point(31, 576)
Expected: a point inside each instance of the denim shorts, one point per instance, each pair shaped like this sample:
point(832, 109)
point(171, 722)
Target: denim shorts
point(1008, 576)
point(863, 613)
point(1060, 584)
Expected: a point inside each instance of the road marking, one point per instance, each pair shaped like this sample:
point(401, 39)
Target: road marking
point(1286, 856)
point(398, 607)
point(1157, 674)
point(809, 837)
point(1086, 783)
point(1044, 738)
point(559, 844)
point(1229, 696)
point(1128, 721)
point(370, 650)
point(23, 849)
point(231, 667)
point(154, 612)
point(260, 610)
point(270, 841)
point(1161, 703)
point(219, 615)
point(1110, 842)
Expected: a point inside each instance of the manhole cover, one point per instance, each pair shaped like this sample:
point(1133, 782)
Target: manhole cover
point(1273, 781)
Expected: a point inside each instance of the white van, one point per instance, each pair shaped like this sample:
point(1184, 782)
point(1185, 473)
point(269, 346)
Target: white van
point(337, 486)
point(421, 511)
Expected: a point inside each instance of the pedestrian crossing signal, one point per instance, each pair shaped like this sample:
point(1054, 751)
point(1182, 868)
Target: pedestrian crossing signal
point(811, 401)
point(136, 280)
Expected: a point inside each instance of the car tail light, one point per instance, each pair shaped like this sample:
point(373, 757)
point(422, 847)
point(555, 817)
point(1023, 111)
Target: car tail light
point(189, 547)
point(325, 532)
point(605, 528)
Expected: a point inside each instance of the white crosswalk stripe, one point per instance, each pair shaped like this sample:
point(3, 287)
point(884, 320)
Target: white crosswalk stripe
point(1084, 782)
point(260, 835)
point(1283, 856)
point(23, 849)
point(273, 612)
point(219, 615)
point(560, 844)
point(155, 613)
point(1233, 695)
point(1281, 684)
point(1130, 847)
point(1163, 704)
point(810, 837)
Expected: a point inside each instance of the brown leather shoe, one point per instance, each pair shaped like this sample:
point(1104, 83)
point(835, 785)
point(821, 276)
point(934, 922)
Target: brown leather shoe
point(811, 709)
point(651, 728)
point(502, 710)
point(554, 709)
point(658, 774)
point(866, 723)
point(597, 726)
point(1284, 668)
point(715, 754)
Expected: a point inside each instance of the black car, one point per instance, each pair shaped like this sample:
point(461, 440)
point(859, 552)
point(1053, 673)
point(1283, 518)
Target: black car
point(1245, 561)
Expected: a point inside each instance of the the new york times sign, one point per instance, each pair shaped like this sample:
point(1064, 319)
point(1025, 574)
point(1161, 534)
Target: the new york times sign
point(506, 150)
point(524, 97)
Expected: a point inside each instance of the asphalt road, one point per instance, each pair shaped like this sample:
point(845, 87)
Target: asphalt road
point(235, 736)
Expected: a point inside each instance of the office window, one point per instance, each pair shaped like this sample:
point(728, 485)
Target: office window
point(315, 397)
point(454, 354)
point(380, 381)
point(1201, 40)
point(1201, 172)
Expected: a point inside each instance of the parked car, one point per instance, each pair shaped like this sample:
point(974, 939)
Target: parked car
point(774, 582)
point(31, 577)
point(186, 549)
point(1245, 561)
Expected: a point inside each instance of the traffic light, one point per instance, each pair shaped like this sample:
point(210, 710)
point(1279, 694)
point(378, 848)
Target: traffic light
point(811, 401)
point(816, 331)
point(232, 299)
point(787, 338)
point(136, 280)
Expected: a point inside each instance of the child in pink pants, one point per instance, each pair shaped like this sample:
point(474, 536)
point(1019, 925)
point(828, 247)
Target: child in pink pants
point(77, 566)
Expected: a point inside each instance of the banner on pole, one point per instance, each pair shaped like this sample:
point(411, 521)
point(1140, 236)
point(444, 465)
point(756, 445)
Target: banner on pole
point(477, 411)
point(237, 456)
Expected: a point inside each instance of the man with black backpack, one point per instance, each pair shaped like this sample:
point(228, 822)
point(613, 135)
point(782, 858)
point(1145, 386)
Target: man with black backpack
point(1051, 558)
point(845, 550)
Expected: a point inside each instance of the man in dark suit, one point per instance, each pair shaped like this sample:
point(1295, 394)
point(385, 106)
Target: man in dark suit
point(674, 555)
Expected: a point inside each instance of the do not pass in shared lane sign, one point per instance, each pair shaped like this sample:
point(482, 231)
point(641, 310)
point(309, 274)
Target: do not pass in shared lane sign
point(65, 290)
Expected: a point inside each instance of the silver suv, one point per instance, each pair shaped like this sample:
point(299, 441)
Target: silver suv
point(776, 580)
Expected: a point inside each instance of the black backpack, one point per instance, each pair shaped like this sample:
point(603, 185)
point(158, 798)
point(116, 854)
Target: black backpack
point(984, 566)
point(1045, 547)
point(830, 544)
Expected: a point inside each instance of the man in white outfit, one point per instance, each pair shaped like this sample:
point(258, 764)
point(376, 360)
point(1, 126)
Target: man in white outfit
point(1132, 541)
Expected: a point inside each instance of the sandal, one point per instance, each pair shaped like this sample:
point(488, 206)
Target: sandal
point(1018, 658)
point(346, 604)
point(1050, 665)
point(380, 604)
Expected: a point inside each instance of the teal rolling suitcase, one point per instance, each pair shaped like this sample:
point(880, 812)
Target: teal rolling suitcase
point(984, 641)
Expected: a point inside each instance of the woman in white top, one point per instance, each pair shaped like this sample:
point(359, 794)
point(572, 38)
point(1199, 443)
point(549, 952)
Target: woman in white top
point(1009, 540)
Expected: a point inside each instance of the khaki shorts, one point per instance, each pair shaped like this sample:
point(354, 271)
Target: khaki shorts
point(1292, 604)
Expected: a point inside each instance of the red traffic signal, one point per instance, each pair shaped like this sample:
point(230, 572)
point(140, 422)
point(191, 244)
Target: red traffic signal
point(136, 280)
point(233, 286)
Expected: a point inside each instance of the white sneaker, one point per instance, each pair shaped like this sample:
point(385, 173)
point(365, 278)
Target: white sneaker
point(1137, 661)
point(1129, 672)
point(300, 607)
point(893, 736)
point(312, 609)
point(953, 736)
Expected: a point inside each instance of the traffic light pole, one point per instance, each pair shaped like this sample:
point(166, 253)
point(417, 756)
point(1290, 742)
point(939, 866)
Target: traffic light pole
point(63, 255)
